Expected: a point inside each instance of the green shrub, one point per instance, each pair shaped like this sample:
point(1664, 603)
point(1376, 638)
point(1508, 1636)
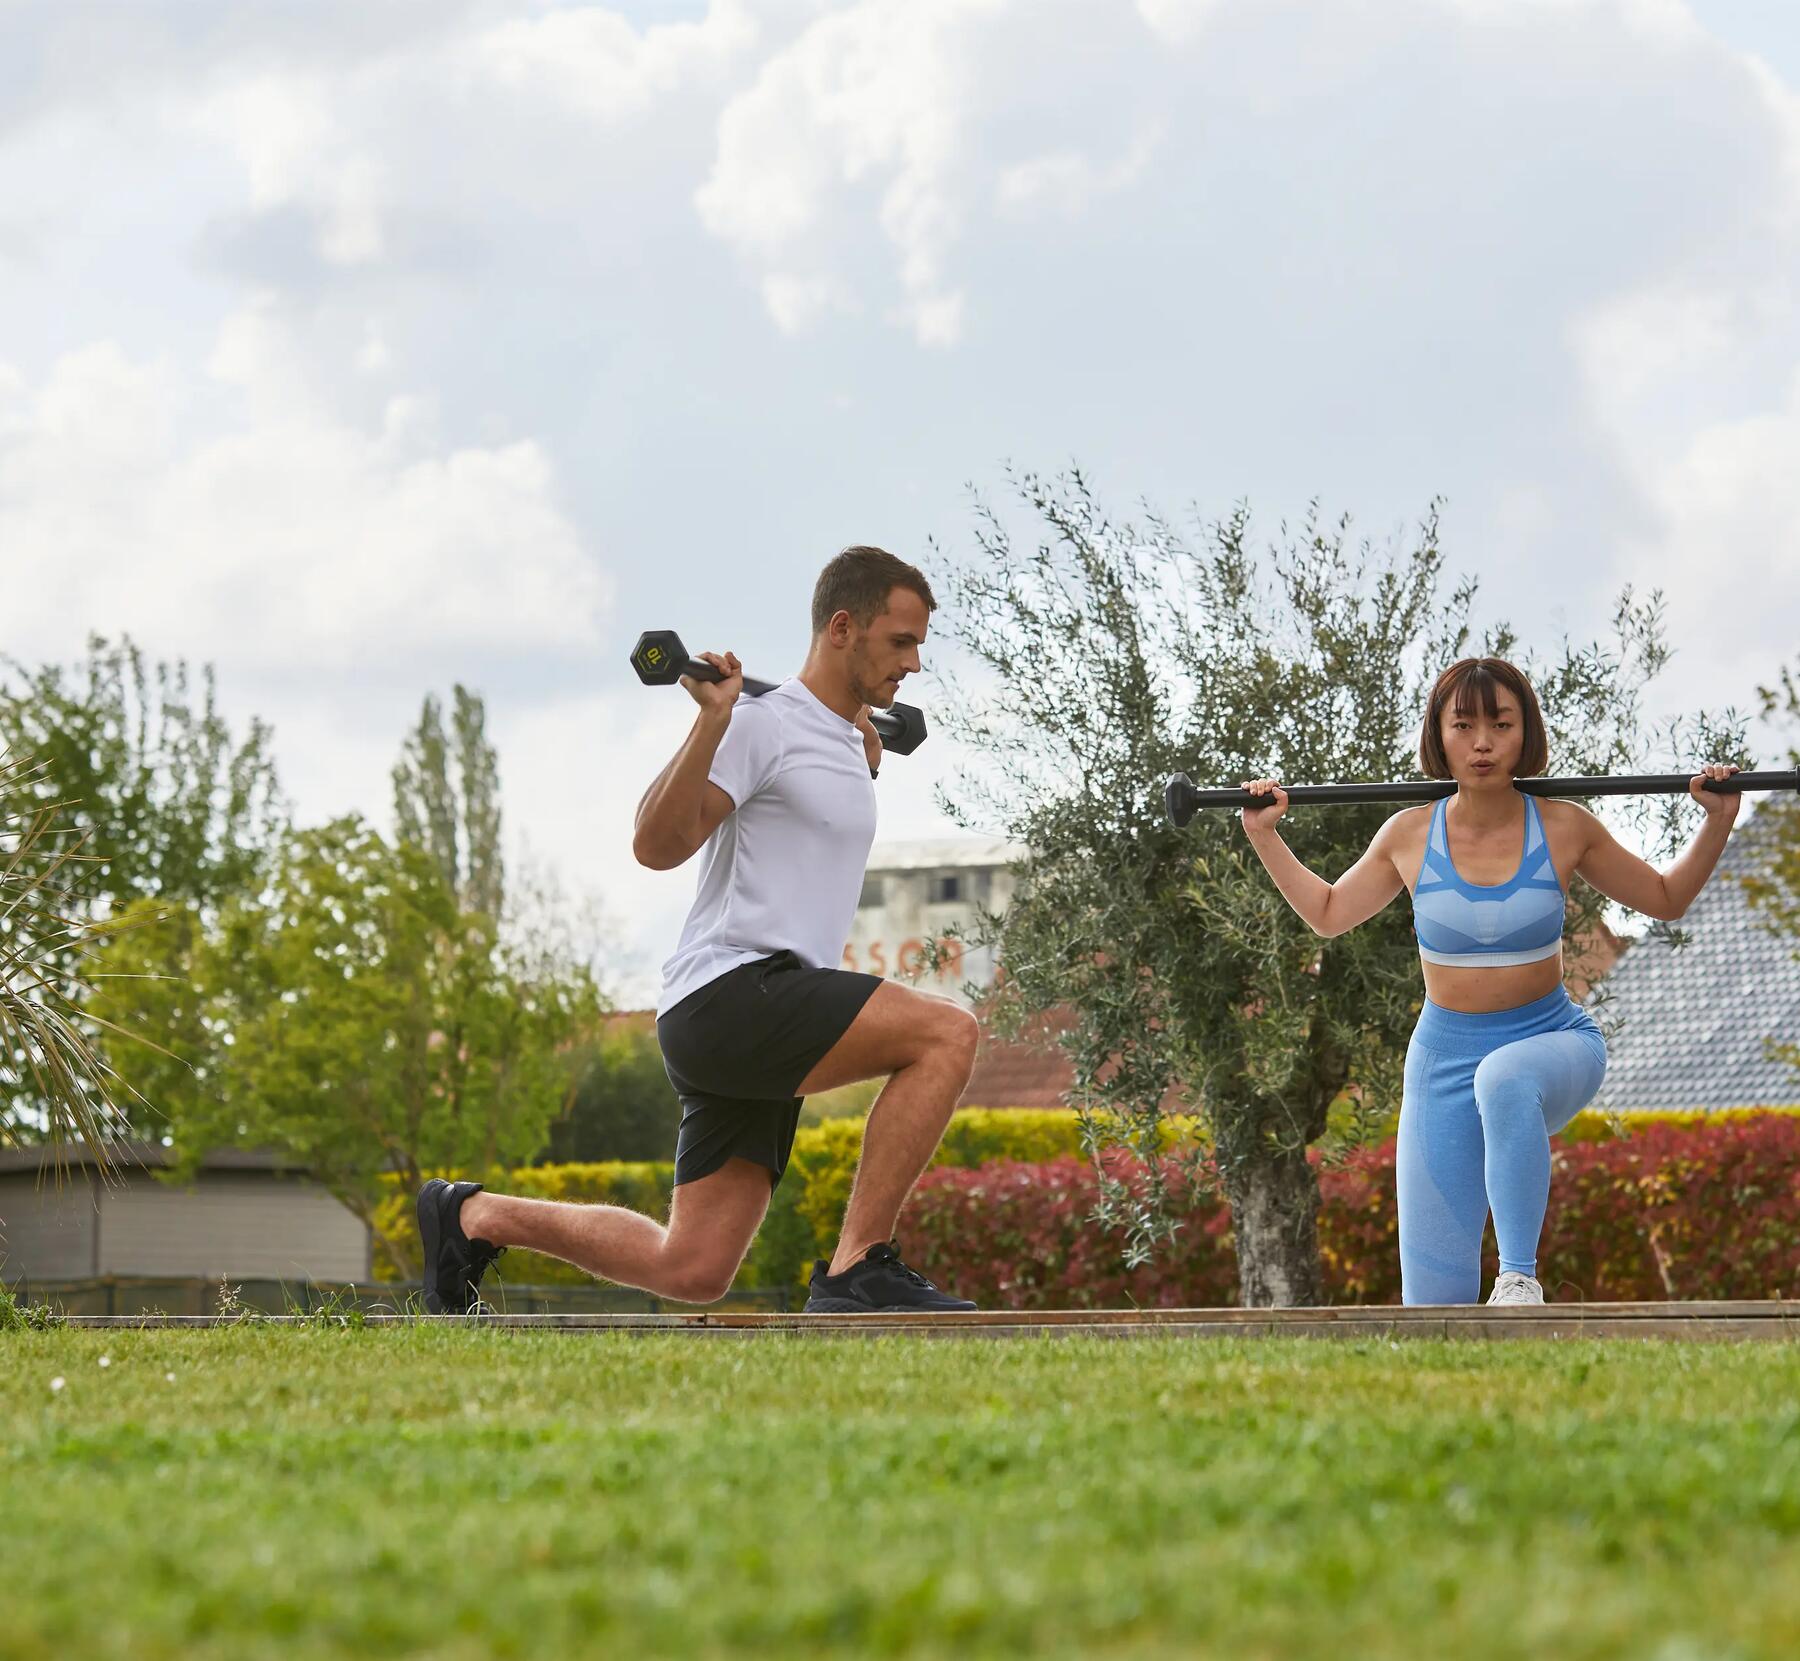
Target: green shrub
point(1706, 1209)
point(808, 1205)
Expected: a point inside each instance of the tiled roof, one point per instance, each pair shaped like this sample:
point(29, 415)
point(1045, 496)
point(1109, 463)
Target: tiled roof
point(1018, 1075)
point(1692, 1020)
point(1031, 1071)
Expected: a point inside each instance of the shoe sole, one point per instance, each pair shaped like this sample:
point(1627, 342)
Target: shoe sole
point(849, 1306)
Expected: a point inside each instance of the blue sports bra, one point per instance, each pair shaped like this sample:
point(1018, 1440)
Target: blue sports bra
point(1469, 926)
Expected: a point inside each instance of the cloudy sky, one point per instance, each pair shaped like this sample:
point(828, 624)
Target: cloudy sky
point(362, 346)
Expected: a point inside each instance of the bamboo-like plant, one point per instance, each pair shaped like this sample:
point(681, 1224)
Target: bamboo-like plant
point(55, 1085)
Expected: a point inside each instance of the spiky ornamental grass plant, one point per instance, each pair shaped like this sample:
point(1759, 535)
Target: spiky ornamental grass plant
point(47, 1056)
point(1117, 653)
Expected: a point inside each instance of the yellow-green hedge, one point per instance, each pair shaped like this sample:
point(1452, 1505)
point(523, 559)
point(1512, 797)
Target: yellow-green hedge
point(808, 1206)
point(641, 1185)
point(1591, 1126)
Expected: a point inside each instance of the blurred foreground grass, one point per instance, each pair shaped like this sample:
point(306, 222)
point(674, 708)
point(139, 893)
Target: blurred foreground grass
point(454, 1492)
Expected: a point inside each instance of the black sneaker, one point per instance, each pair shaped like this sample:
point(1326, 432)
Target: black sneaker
point(454, 1264)
point(877, 1281)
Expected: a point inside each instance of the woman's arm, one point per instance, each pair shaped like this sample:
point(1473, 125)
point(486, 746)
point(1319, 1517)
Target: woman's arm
point(1326, 908)
point(1620, 875)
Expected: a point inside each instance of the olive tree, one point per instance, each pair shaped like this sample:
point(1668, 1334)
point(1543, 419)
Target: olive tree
point(1109, 654)
point(1772, 882)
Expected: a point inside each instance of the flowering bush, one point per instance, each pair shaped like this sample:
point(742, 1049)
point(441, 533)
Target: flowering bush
point(1678, 1206)
point(1017, 1236)
point(1670, 1211)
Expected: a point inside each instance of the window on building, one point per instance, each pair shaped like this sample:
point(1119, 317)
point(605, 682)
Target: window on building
point(874, 892)
point(945, 887)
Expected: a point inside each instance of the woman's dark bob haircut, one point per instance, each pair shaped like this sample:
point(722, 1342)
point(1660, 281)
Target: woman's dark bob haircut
point(1482, 681)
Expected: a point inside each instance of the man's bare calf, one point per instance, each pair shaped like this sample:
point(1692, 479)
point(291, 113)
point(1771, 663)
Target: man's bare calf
point(925, 1045)
point(693, 1260)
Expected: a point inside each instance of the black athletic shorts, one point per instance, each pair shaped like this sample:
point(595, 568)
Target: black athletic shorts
point(737, 1050)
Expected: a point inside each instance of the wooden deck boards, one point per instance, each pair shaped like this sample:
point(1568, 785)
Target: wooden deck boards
point(1766, 1320)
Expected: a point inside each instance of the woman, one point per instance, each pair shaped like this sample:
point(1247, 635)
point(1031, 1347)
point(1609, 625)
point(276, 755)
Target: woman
point(1502, 1057)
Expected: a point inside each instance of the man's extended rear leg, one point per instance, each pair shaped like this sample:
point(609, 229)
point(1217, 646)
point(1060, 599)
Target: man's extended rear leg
point(694, 1259)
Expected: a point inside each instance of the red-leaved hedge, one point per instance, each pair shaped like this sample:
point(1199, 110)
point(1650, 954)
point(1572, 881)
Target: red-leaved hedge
point(1708, 1211)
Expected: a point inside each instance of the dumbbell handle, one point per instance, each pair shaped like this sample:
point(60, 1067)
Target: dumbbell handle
point(889, 726)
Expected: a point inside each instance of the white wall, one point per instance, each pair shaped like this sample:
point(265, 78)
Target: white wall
point(247, 1225)
point(887, 938)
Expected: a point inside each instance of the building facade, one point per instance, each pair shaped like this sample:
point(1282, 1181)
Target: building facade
point(916, 892)
point(246, 1216)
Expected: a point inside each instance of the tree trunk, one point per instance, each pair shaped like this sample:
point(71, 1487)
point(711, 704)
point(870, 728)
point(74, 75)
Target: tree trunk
point(1275, 1219)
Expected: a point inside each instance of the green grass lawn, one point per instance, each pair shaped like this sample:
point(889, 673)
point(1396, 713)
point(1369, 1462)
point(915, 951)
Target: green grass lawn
point(461, 1493)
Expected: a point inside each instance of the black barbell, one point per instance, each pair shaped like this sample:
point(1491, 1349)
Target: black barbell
point(660, 659)
point(1183, 798)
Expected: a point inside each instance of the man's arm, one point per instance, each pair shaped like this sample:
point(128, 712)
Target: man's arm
point(683, 807)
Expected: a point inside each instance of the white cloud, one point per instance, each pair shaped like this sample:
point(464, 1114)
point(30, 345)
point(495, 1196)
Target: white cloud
point(1723, 542)
point(1179, 21)
point(553, 281)
point(595, 63)
point(293, 543)
point(877, 95)
point(290, 136)
point(1692, 383)
point(1065, 183)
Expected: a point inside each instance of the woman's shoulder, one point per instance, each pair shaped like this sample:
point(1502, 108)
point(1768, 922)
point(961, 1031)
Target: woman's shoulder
point(1561, 813)
point(1405, 829)
point(1408, 821)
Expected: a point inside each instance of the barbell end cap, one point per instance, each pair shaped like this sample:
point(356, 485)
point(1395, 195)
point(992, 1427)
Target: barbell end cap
point(1178, 800)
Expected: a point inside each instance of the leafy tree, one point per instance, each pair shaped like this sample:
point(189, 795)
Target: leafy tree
point(622, 1106)
point(170, 811)
point(1774, 887)
point(447, 800)
point(1117, 653)
point(1773, 884)
point(353, 1016)
point(173, 806)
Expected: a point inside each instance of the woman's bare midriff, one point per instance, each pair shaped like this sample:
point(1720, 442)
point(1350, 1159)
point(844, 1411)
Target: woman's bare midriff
point(1481, 991)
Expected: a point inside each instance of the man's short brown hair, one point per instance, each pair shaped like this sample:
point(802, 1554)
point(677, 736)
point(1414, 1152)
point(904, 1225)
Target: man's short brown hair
point(859, 581)
point(1480, 680)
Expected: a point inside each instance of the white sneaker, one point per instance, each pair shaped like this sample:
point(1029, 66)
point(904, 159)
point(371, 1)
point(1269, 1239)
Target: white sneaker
point(1513, 1287)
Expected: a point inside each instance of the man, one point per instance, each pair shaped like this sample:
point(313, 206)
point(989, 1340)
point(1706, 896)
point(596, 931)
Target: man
point(776, 794)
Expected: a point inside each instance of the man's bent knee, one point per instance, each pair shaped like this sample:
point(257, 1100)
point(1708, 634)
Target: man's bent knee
point(699, 1282)
point(962, 1035)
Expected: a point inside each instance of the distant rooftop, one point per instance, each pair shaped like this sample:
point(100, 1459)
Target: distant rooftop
point(948, 853)
point(43, 1158)
point(1694, 1019)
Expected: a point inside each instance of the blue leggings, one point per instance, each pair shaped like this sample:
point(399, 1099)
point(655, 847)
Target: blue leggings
point(1484, 1094)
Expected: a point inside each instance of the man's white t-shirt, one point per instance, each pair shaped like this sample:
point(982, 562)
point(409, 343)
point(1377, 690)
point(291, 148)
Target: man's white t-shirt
point(784, 872)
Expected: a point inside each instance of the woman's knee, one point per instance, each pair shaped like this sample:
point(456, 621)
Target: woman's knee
point(1505, 1089)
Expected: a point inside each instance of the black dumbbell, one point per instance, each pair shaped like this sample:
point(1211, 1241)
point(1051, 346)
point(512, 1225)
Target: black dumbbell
point(660, 659)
